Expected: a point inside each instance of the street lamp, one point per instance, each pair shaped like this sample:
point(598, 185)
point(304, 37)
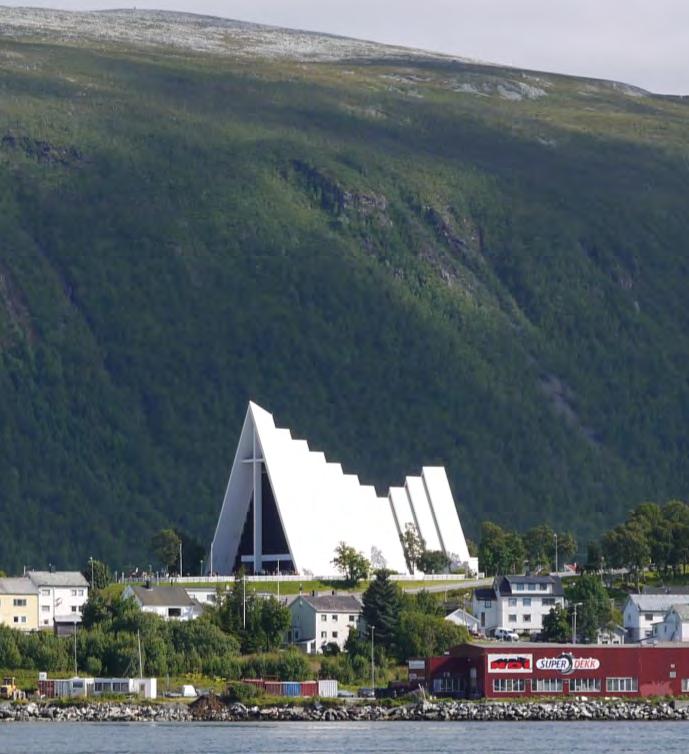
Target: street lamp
point(373, 664)
point(555, 536)
point(574, 621)
point(91, 562)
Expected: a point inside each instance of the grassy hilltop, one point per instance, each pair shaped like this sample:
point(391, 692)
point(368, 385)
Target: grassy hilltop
point(408, 259)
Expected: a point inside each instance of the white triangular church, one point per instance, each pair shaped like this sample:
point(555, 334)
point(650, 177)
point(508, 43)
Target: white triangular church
point(286, 507)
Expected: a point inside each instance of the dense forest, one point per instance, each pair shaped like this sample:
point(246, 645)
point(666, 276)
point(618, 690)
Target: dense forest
point(408, 260)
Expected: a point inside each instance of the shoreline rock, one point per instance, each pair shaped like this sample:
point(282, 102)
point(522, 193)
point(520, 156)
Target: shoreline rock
point(210, 709)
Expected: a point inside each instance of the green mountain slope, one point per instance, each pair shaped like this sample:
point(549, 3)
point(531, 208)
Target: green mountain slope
point(408, 259)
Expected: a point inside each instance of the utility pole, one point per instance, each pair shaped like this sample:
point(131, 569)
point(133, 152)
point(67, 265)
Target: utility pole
point(555, 535)
point(76, 672)
point(211, 567)
point(91, 562)
point(574, 621)
point(278, 580)
point(141, 668)
point(180, 558)
point(244, 602)
point(373, 663)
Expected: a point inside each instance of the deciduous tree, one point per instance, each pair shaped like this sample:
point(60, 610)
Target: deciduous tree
point(351, 564)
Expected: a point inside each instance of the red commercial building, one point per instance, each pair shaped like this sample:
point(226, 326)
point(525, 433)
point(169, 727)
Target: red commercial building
point(497, 670)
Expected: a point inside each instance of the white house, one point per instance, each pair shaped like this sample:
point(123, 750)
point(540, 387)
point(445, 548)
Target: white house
point(517, 602)
point(674, 626)
point(461, 617)
point(326, 619)
point(641, 611)
point(61, 596)
point(169, 602)
point(287, 506)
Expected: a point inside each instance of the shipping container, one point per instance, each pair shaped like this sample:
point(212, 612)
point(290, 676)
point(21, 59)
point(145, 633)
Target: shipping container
point(274, 688)
point(327, 689)
point(46, 688)
point(259, 683)
point(309, 688)
point(291, 688)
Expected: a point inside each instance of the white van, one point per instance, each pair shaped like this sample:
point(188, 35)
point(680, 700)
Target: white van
point(506, 634)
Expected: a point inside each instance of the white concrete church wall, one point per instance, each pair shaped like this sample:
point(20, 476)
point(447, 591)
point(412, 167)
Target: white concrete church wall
point(320, 506)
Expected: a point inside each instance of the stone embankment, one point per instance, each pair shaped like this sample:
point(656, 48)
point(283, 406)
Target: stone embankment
point(212, 709)
point(94, 713)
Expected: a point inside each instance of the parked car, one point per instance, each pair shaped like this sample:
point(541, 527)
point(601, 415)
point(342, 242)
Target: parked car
point(506, 634)
point(367, 693)
point(344, 694)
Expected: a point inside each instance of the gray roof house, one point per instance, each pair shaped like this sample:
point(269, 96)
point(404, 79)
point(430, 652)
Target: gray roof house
point(674, 626)
point(169, 602)
point(319, 620)
point(517, 602)
point(641, 611)
point(61, 598)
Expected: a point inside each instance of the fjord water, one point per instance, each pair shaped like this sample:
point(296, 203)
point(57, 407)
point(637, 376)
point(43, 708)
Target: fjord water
point(354, 738)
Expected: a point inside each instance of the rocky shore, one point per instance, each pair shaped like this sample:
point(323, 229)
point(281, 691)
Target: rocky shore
point(211, 708)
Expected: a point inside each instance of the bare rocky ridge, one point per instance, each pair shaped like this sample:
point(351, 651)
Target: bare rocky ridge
point(187, 31)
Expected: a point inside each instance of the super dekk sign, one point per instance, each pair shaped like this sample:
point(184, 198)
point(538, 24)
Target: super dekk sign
point(566, 663)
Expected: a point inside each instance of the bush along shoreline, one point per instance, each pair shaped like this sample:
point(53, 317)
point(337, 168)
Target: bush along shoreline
point(211, 708)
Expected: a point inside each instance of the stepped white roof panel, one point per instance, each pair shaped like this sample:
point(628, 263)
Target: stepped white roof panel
point(449, 528)
point(401, 509)
point(319, 506)
point(423, 513)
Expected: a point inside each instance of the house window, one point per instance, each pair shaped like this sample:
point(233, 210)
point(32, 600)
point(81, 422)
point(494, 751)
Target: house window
point(352, 618)
point(512, 618)
point(586, 685)
point(324, 618)
point(487, 603)
point(324, 634)
point(532, 587)
point(334, 634)
point(45, 608)
point(548, 685)
point(685, 685)
point(74, 608)
point(81, 592)
point(20, 618)
point(18, 602)
point(548, 601)
point(526, 602)
point(174, 612)
point(520, 587)
point(508, 685)
point(74, 592)
point(648, 616)
point(333, 617)
point(512, 602)
point(621, 684)
point(527, 617)
point(543, 587)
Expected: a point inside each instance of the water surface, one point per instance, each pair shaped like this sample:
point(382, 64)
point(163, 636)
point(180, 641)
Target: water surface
point(349, 738)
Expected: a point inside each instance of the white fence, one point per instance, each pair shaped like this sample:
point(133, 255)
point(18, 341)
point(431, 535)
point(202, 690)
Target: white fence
point(210, 580)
